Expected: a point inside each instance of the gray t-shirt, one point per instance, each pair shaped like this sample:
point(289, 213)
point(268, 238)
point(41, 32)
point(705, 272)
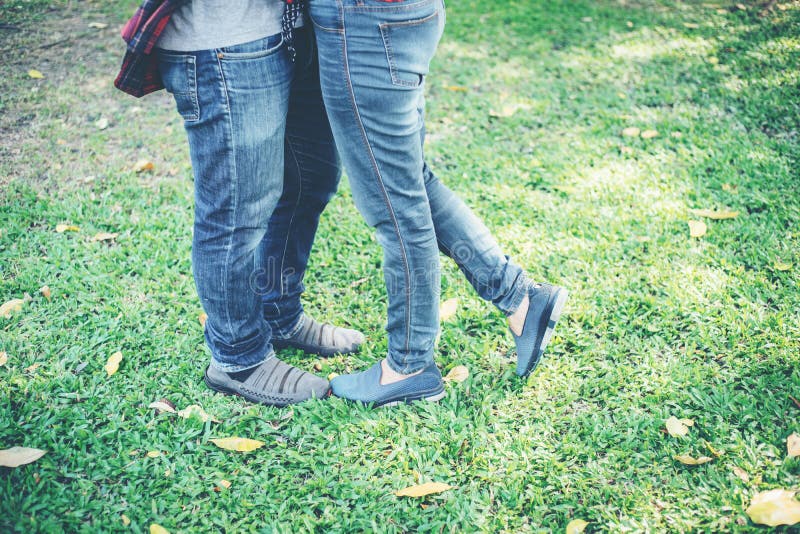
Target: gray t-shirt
point(207, 24)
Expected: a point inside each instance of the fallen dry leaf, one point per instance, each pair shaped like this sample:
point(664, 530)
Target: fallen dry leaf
point(112, 365)
point(158, 529)
point(691, 25)
point(33, 367)
point(697, 228)
point(153, 454)
point(448, 309)
point(649, 134)
point(224, 483)
point(457, 374)
point(45, 291)
point(712, 450)
point(688, 460)
point(61, 228)
point(422, 490)
point(576, 526)
point(795, 401)
point(98, 25)
point(237, 444)
point(793, 445)
point(17, 456)
point(457, 88)
point(104, 236)
point(676, 428)
point(741, 473)
point(35, 74)
point(781, 266)
point(12, 306)
point(774, 507)
point(193, 410)
point(102, 123)
point(631, 131)
point(143, 165)
point(716, 215)
point(202, 318)
point(125, 520)
point(3, 358)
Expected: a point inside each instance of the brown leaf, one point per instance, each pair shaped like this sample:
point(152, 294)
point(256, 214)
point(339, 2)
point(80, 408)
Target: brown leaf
point(143, 165)
point(162, 406)
point(98, 25)
point(457, 374)
point(795, 401)
point(112, 365)
point(741, 473)
point(422, 490)
point(12, 306)
point(676, 428)
point(448, 309)
point(649, 134)
point(716, 215)
point(224, 483)
point(3, 358)
point(17, 456)
point(697, 229)
point(793, 445)
point(631, 131)
point(203, 318)
point(774, 507)
point(45, 291)
point(688, 460)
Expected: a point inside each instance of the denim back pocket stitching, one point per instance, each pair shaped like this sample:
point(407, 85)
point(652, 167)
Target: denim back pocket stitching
point(385, 29)
point(237, 56)
point(185, 101)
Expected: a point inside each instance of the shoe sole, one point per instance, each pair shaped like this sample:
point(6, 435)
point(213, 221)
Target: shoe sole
point(556, 306)
point(279, 344)
point(279, 402)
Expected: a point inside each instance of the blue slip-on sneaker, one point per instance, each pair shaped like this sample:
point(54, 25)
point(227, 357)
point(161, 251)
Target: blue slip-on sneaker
point(544, 308)
point(365, 387)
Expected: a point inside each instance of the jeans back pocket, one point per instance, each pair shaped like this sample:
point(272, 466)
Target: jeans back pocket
point(410, 47)
point(179, 74)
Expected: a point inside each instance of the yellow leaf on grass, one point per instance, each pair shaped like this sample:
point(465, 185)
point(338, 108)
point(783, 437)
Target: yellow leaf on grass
point(193, 410)
point(224, 483)
point(712, 450)
point(143, 165)
point(158, 529)
point(125, 520)
point(17, 456)
point(576, 526)
point(35, 74)
point(421, 490)
point(631, 131)
point(793, 445)
point(456, 88)
point(12, 306)
point(153, 454)
point(61, 228)
point(112, 365)
point(202, 318)
point(104, 236)
point(781, 266)
point(688, 460)
point(649, 134)
point(697, 228)
point(161, 406)
point(3, 358)
point(448, 309)
point(774, 507)
point(45, 291)
point(741, 473)
point(458, 374)
point(716, 215)
point(676, 428)
point(237, 444)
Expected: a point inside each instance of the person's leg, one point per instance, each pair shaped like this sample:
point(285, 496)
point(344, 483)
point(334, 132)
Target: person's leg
point(373, 59)
point(233, 102)
point(311, 177)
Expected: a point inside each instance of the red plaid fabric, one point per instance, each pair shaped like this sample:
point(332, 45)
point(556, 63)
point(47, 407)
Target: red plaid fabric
point(139, 75)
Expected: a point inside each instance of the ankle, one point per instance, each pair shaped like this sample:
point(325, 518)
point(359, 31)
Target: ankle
point(516, 321)
point(390, 376)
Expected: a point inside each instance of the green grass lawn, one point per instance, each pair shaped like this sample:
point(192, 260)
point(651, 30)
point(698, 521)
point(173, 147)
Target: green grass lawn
point(527, 103)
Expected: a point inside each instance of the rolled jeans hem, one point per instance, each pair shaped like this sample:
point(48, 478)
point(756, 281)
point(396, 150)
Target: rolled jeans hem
point(235, 368)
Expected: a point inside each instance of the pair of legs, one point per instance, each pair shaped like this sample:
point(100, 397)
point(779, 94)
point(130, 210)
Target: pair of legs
point(374, 56)
point(265, 166)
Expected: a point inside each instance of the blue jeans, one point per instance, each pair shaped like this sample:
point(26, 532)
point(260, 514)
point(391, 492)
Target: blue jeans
point(374, 56)
point(265, 166)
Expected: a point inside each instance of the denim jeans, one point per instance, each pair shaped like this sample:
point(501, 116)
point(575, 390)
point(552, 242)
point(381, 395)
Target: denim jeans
point(374, 56)
point(265, 166)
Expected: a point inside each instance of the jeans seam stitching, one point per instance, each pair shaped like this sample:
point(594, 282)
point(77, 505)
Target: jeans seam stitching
point(351, 91)
point(294, 211)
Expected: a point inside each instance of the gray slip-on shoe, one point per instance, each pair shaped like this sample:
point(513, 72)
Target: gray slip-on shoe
point(314, 337)
point(273, 383)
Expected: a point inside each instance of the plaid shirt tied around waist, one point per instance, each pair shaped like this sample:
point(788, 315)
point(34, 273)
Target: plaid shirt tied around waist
point(139, 74)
